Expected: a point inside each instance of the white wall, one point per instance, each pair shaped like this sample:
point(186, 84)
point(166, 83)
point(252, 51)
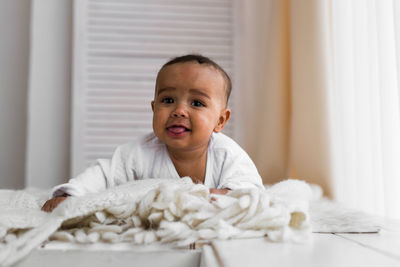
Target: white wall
point(35, 86)
point(14, 59)
point(49, 94)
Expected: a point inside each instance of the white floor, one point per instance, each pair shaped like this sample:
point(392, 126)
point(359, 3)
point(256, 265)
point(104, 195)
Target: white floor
point(74, 255)
point(379, 249)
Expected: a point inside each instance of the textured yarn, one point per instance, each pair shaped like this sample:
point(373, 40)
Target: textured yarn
point(176, 212)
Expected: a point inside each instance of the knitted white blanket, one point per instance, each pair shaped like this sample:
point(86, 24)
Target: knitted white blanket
point(154, 210)
point(176, 212)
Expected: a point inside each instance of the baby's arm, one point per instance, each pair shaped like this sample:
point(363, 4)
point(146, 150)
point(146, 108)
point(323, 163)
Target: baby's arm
point(232, 167)
point(104, 174)
point(93, 179)
point(223, 191)
point(239, 171)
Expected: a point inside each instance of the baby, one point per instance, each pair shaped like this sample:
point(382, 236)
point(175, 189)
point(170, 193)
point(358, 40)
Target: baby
point(189, 112)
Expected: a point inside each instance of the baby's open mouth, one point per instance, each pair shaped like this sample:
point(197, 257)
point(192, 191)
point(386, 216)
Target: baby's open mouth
point(177, 129)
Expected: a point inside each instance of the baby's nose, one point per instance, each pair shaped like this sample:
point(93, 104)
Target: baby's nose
point(180, 111)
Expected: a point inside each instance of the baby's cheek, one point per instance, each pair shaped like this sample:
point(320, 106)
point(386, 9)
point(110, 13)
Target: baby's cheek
point(205, 121)
point(158, 120)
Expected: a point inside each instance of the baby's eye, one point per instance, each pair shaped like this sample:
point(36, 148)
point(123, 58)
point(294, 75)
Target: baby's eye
point(167, 100)
point(197, 103)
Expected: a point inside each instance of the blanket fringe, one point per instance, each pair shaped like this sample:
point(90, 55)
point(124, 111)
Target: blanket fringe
point(21, 247)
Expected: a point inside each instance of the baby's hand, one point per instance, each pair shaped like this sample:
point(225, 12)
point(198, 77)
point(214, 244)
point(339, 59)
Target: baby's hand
point(219, 191)
point(51, 204)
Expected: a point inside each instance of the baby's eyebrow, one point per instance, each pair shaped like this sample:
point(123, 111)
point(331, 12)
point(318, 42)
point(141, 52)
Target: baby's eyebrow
point(199, 92)
point(159, 91)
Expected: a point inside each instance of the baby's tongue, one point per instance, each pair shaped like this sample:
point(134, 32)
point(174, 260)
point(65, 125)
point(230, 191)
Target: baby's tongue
point(177, 129)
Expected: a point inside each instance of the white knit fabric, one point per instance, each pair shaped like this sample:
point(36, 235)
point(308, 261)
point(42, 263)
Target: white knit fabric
point(176, 212)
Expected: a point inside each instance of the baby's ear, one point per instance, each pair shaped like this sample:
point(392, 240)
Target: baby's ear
point(152, 105)
point(222, 120)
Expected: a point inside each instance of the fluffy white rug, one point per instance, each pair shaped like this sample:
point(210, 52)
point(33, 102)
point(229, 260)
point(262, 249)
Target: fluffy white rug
point(176, 212)
point(156, 210)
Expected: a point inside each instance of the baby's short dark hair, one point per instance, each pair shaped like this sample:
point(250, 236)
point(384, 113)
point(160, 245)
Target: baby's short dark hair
point(206, 61)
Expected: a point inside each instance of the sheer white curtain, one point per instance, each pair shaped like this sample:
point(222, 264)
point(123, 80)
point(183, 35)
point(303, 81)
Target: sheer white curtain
point(365, 104)
point(285, 76)
point(321, 102)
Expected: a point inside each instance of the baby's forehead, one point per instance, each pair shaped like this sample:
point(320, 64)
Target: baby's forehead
point(190, 71)
point(191, 66)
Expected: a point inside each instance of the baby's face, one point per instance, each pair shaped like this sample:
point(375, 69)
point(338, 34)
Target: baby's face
point(189, 104)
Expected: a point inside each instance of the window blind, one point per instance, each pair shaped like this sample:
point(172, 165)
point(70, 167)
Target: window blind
point(119, 45)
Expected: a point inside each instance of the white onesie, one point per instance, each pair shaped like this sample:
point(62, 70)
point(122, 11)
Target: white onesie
point(228, 166)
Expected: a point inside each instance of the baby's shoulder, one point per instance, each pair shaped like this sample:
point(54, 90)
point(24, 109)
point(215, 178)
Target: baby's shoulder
point(141, 144)
point(222, 143)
